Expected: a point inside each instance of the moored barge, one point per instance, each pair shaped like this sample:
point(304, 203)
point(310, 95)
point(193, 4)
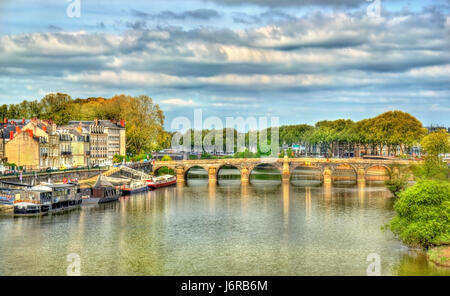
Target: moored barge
point(161, 181)
point(134, 187)
point(47, 198)
point(103, 192)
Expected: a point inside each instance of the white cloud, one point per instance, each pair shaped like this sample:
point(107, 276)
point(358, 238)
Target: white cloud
point(178, 102)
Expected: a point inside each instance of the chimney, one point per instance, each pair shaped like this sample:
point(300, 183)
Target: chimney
point(11, 135)
point(23, 121)
point(30, 132)
point(5, 120)
point(122, 123)
point(18, 130)
point(44, 128)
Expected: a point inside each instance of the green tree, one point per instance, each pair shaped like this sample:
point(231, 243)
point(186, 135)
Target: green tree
point(396, 129)
point(166, 158)
point(436, 143)
point(423, 214)
point(118, 158)
point(145, 121)
point(398, 180)
point(57, 107)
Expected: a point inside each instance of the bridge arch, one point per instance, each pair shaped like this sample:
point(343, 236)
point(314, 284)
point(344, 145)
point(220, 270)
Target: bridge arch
point(344, 173)
point(377, 173)
point(220, 171)
point(276, 174)
point(189, 172)
point(306, 174)
point(170, 169)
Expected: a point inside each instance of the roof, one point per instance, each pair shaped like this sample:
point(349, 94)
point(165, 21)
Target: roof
point(9, 128)
point(41, 188)
point(101, 182)
point(105, 123)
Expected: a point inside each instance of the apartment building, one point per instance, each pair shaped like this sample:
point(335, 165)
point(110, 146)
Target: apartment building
point(97, 130)
point(26, 150)
point(98, 143)
point(85, 143)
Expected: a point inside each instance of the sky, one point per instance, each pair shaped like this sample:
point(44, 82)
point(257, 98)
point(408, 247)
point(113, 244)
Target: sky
point(299, 60)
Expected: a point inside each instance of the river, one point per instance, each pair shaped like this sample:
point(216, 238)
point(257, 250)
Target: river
point(265, 228)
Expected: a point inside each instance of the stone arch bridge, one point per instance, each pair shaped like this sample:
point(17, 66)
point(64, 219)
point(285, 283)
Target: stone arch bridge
point(286, 166)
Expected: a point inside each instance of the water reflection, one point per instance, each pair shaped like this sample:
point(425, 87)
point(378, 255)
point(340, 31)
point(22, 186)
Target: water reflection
point(286, 193)
point(209, 229)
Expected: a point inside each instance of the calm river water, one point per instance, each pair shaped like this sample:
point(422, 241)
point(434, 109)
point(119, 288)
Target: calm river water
point(265, 228)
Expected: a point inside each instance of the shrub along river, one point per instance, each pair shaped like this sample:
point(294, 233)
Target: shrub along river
point(264, 228)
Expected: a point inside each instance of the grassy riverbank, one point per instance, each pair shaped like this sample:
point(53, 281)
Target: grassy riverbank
point(440, 255)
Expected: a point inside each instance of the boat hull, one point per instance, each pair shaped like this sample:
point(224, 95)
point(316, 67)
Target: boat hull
point(152, 185)
point(43, 210)
point(99, 200)
point(134, 191)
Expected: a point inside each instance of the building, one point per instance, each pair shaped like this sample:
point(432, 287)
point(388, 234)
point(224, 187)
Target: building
point(26, 150)
point(98, 144)
point(2, 146)
point(65, 148)
point(7, 130)
point(115, 138)
point(80, 147)
point(85, 143)
point(39, 128)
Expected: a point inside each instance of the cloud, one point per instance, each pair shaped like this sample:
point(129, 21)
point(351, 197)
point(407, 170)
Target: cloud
point(198, 14)
point(291, 3)
point(178, 102)
point(305, 61)
point(54, 28)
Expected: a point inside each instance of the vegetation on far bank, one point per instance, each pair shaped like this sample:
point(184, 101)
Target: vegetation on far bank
point(394, 130)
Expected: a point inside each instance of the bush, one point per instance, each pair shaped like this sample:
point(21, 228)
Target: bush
point(165, 171)
point(398, 181)
point(432, 168)
point(206, 155)
point(140, 157)
point(166, 158)
point(423, 214)
point(118, 158)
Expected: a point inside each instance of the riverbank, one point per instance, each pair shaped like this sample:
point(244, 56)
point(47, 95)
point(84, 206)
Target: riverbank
point(440, 255)
point(6, 208)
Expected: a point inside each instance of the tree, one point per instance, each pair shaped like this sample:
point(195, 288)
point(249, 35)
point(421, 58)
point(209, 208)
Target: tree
point(166, 158)
point(145, 124)
point(423, 214)
point(436, 143)
point(118, 158)
point(57, 107)
point(434, 167)
point(396, 129)
point(398, 180)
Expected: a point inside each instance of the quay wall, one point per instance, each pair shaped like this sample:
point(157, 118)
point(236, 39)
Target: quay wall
point(58, 176)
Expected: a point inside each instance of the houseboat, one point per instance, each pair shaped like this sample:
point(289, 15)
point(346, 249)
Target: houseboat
point(103, 192)
point(134, 187)
point(46, 198)
point(161, 181)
